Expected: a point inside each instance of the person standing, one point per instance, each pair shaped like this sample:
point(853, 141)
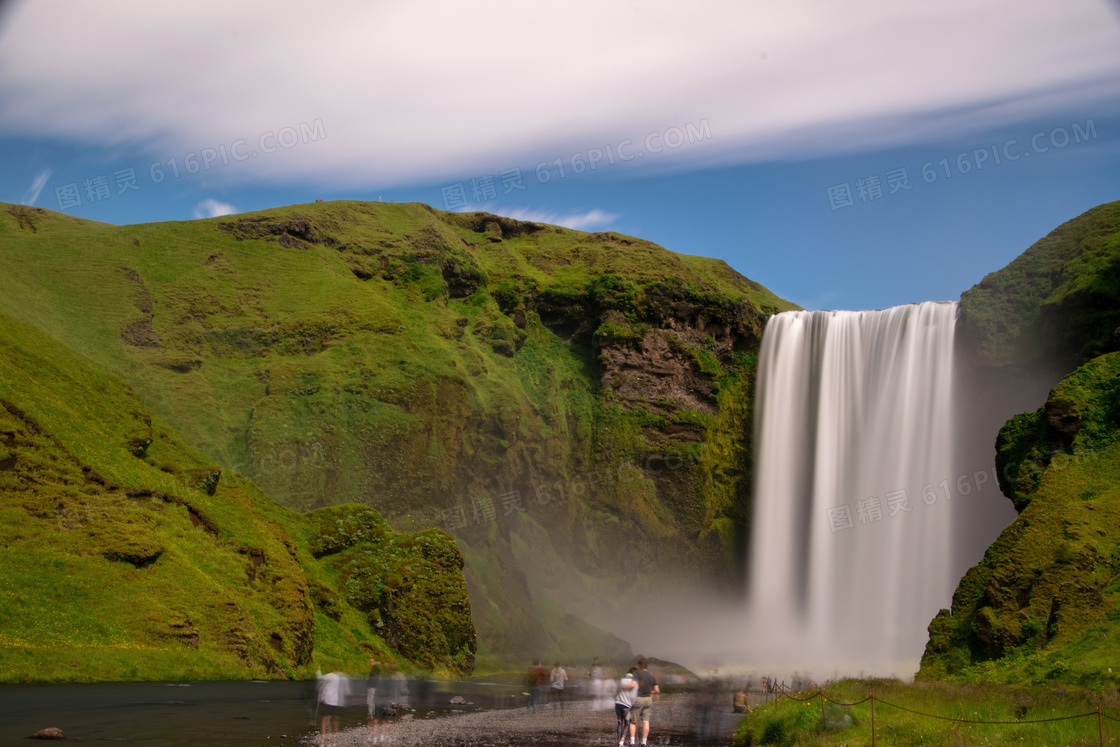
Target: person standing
point(556, 679)
point(371, 690)
point(623, 703)
point(542, 685)
point(534, 682)
point(643, 703)
point(595, 683)
point(331, 699)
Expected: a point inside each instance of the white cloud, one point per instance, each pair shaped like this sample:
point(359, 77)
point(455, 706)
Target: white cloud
point(36, 187)
point(580, 221)
point(211, 208)
point(403, 100)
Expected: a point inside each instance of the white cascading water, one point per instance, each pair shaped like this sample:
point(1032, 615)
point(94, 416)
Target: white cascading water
point(853, 408)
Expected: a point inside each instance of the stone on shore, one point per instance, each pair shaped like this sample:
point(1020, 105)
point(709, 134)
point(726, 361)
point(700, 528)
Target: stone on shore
point(51, 732)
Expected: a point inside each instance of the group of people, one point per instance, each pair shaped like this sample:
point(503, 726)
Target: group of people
point(541, 680)
point(386, 695)
point(634, 702)
point(632, 696)
point(798, 683)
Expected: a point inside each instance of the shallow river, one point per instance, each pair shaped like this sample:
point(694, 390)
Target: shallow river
point(202, 714)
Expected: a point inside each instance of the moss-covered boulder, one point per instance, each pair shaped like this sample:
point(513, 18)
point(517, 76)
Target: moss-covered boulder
point(1080, 417)
point(409, 586)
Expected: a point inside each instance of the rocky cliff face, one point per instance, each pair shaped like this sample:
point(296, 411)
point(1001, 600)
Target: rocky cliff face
point(575, 409)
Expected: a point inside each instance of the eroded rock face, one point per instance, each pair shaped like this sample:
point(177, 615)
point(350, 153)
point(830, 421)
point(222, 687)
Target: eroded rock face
point(663, 368)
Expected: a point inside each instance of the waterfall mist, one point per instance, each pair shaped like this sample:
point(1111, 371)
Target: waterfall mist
point(851, 405)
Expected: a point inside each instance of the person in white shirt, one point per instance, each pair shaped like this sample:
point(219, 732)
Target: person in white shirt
point(623, 702)
point(332, 697)
point(556, 680)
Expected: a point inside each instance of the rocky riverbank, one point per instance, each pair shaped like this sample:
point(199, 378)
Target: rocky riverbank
point(677, 720)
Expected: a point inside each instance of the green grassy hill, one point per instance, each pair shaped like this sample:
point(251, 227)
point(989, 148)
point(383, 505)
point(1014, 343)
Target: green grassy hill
point(1042, 605)
point(127, 554)
point(1060, 299)
point(562, 402)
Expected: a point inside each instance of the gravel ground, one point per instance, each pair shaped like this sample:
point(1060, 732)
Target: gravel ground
point(677, 720)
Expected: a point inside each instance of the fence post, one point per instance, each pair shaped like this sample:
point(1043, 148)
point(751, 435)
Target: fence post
point(872, 719)
point(822, 709)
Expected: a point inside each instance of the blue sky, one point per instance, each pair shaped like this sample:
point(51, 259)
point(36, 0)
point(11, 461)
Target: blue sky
point(788, 139)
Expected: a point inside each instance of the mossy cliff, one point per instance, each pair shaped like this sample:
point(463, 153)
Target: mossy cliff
point(1042, 604)
point(563, 403)
point(1057, 303)
point(126, 554)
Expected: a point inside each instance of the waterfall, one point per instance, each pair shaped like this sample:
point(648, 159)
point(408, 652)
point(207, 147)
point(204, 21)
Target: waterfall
point(855, 487)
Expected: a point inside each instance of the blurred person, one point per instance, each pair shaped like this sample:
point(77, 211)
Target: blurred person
point(602, 687)
point(331, 696)
point(603, 698)
point(595, 684)
point(643, 703)
point(392, 700)
point(596, 670)
point(397, 695)
point(704, 704)
point(556, 679)
point(624, 702)
point(542, 685)
point(534, 683)
point(739, 702)
point(371, 689)
point(378, 710)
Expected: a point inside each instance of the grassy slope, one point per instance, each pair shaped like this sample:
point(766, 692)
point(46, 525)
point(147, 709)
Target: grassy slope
point(116, 562)
point(788, 722)
point(416, 361)
point(1059, 299)
point(1041, 605)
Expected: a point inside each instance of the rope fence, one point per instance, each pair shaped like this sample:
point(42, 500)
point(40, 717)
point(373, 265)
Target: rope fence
point(784, 691)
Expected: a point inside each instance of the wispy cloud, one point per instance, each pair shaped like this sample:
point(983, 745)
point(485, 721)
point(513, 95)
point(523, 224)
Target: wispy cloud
point(775, 80)
point(36, 187)
point(210, 208)
point(580, 221)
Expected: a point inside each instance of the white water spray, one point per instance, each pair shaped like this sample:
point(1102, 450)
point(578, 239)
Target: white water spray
point(851, 535)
